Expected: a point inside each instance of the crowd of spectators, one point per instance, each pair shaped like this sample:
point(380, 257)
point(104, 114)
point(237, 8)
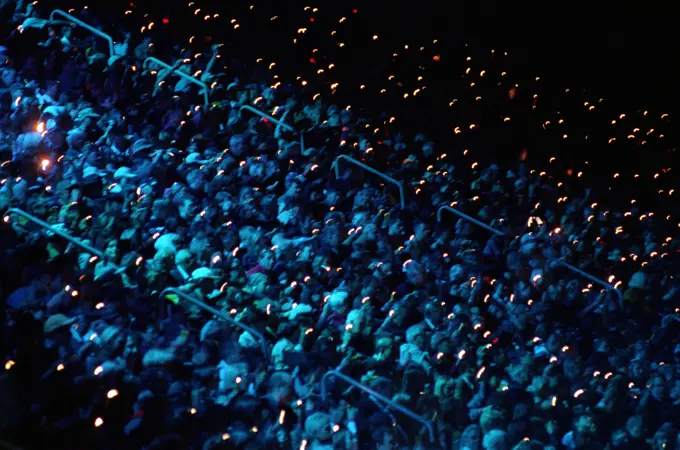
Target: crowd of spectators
point(486, 335)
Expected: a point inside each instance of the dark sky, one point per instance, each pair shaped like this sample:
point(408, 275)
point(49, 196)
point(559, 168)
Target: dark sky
point(624, 49)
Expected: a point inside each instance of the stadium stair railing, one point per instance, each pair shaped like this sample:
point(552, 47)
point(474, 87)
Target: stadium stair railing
point(400, 186)
point(217, 313)
point(277, 122)
point(388, 402)
point(42, 224)
point(80, 23)
point(186, 76)
point(564, 264)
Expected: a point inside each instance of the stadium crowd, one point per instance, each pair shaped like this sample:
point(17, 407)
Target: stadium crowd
point(485, 334)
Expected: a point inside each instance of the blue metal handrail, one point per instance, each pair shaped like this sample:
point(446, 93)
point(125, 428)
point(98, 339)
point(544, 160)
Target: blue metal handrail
point(558, 261)
point(88, 27)
point(75, 241)
point(268, 117)
point(397, 407)
point(588, 276)
point(186, 76)
point(277, 122)
point(371, 170)
point(219, 314)
point(468, 218)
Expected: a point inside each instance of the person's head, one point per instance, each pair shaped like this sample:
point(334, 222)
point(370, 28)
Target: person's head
point(290, 216)
point(675, 390)
point(602, 346)
point(331, 197)
point(462, 228)
point(383, 347)
point(396, 228)
point(421, 231)
point(457, 274)
point(657, 386)
point(635, 426)
point(636, 369)
point(266, 259)
point(230, 376)
point(187, 208)
point(495, 440)
point(434, 312)
point(250, 237)
point(572, 368)
point(619, 438)
point(330, 236)
point(382, 270)
point(471, 437)
point(20, 191)
point(384, 439)
point(112, 253)
point(313, 112)
point(236, 144)
point(306, 254)
point(416, 335)
point(519, 373)
point(444, 387)
point(8, 76)
point(401, 311)
point(353, 324)
point(131, 347)
point(496, 311)
point(256, 169)
point(114, 339)
point(345, 116)
point(337, 301)
point(555, 342)
point(318, 427)
point(281, 387)
point(184, 259)
point(278, 353)
point(271, 168)
point(38, 206)
point(362, 199)
point(196, 181)
point(86, 122)
point(199, 245)
point(663, 437)
point(584, 425)
point(428, 149)
point(369, 232)
point(415, 272)
point(257, 284)
point(491, 418)
point(69, 216)
point(159, 208)
point(523, 289)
